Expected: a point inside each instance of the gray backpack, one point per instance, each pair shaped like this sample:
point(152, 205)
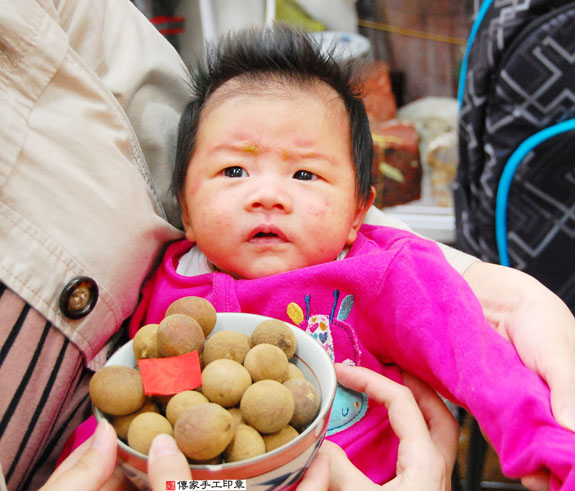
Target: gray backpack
point(515, 187)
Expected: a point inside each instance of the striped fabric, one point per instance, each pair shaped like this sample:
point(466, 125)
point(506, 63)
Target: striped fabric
point(43, 392)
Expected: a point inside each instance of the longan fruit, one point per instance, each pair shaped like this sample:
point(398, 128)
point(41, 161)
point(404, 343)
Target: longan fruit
point(144, 428)
point(181, 402)
point(306, 401)
point(145, 344)
point(236, 414)
point(225, 381)
point(246, 443)
point(117, 390)
point(226, 344)
point(204, 431)
point(267, 362)
point(276, 332)
point(267, 406)
point(122, 423)
point(294, 371)
point(279, 438)
point(179, 334)
point(197, 307)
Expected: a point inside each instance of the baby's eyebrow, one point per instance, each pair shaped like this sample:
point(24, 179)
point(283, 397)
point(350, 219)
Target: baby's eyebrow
point(290, 154)
point(239, 148)
point(287, 153)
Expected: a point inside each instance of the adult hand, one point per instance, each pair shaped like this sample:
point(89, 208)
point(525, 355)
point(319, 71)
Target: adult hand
point(537, 322)
point(542, 329)
point(428, 437)
point(166, 463)
point(94, 464)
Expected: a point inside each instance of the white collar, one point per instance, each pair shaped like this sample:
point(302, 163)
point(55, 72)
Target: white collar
point(195, 263)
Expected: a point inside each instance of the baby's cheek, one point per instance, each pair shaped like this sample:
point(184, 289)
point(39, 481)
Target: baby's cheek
point(206, 217)
point(194, 186)
point(319, 211)
point(220, 219)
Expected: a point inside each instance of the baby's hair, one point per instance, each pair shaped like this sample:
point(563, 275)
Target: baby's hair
point(263, 58)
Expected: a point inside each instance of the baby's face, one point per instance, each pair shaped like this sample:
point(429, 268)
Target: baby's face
point(271, 184)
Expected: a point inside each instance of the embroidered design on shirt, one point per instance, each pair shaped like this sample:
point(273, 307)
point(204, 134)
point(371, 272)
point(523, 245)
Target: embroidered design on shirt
point(339, 340)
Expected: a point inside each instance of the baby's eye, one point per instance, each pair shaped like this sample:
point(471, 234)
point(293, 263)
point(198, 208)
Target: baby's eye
point(304, 175)
point(235, 171)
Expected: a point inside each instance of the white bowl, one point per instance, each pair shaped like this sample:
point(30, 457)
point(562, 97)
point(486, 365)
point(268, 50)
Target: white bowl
point(281, 468)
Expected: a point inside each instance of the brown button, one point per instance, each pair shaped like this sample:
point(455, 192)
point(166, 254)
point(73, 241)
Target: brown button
point(79, 297)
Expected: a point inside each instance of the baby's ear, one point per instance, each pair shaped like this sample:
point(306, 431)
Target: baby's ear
point(362, 209)
point(186, 222)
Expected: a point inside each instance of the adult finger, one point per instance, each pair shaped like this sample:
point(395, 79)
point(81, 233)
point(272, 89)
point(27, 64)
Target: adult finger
point(166, 463)
point(443, 427)
point(91, 464)
point(543, 332)
point(562, 384)
point(539, 481)
point(556, 363)
point(420, 465)
point(404, 415)
point(343, 475)
point(316, 478)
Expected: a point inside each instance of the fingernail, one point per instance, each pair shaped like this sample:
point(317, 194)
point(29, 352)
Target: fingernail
point(99, 438)
point(163, 446)
point(536, 483)
point(567, 417)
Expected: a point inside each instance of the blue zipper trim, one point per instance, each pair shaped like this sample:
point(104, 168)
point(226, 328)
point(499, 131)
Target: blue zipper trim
point(464, 63)
point(507, 177)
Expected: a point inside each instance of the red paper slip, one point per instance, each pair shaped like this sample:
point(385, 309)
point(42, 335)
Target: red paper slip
point(168, 376)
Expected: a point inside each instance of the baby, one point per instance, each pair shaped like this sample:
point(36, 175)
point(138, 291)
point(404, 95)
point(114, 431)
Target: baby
point(273, 176)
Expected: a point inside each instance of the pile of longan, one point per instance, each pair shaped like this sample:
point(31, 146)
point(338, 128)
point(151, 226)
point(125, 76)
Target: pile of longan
point(252, 399)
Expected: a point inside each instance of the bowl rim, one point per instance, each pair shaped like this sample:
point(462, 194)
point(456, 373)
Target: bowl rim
point(323, 414)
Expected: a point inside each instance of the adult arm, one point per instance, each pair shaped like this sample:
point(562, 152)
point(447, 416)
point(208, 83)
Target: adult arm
point(538, 324)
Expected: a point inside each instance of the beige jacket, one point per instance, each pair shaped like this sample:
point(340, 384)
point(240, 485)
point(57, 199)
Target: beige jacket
point(90, 96)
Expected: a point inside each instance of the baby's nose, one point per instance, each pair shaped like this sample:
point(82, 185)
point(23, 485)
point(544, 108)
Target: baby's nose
point(270, 195)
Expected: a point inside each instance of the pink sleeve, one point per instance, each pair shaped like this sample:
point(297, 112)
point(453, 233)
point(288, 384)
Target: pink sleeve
point(433, 327)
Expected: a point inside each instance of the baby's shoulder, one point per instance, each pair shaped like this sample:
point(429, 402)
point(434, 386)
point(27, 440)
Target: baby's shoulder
point(391, 239)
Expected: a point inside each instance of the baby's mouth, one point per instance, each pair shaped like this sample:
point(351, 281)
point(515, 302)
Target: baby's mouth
point(267, 234)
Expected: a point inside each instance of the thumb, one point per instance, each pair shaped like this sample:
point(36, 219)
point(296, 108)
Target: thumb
point(316, 478)
point(561, 381)
point(91, 464)
point(443, 427)
point(166, 463)
point(540, 481)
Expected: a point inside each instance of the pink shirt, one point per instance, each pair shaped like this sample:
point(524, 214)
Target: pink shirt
point(394, 303)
